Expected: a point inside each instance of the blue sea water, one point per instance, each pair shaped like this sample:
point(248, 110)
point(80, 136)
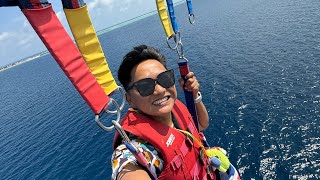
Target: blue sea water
point(258, 65)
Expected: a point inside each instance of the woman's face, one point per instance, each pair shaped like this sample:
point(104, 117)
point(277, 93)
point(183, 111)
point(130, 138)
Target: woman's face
point(160, 103)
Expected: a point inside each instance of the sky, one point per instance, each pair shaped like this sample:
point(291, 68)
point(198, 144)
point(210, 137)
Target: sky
point(18, 40)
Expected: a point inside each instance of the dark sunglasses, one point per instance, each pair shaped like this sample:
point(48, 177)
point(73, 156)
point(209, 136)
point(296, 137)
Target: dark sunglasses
point(146, 86)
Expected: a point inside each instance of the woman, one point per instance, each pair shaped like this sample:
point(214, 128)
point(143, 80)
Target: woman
point(154, 120)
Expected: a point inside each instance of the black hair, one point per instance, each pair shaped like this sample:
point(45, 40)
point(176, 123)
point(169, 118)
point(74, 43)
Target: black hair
point(135, 57)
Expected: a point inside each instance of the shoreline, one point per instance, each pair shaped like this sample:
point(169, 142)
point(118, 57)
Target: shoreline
point(33, 57)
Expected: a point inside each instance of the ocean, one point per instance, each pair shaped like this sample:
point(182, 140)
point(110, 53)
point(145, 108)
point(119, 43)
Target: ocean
point(258, 65)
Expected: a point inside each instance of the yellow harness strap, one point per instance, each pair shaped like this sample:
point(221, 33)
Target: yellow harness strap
point(90, 48)
point(163, 14)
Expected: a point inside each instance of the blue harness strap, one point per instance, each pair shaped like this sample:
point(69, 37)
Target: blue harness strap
point(189, 4)
point(173, 19)
point(184, 70)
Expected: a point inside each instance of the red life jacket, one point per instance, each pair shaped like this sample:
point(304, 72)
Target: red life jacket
point(181, 156)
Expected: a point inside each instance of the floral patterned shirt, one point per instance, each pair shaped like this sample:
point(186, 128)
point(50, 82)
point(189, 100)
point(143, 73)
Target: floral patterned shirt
point(122, 157)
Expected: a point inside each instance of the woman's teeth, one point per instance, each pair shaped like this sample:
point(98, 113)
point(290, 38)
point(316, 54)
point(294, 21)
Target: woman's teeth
point(159, 101)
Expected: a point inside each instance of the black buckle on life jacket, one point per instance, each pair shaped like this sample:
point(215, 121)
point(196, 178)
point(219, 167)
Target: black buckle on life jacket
point(189, 140)
point(202, 156)
point(210, 172)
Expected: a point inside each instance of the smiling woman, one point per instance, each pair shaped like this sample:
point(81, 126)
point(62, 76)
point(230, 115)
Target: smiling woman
point(161, 127)
point(154, 117)
point(157, 121)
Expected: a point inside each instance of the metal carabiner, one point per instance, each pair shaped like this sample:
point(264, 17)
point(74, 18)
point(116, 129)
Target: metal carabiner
point(122, 133)
point(97, 117)
point(191, 18)
point(123, 94)
point(168, 43)
point(175, 37)
point(180, 50)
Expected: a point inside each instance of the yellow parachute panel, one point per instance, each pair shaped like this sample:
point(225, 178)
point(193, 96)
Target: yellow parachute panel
point(165, 20)
point(90, 48)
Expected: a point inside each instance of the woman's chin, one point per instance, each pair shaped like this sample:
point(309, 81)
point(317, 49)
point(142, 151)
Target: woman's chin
point(163, 110)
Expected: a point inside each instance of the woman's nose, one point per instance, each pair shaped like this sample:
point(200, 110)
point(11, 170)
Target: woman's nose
point(159, 89)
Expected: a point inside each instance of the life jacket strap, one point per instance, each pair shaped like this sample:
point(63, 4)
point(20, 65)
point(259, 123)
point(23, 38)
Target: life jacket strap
point(195, 171)
point(178, 159)
point(185, 148)
point(191, 128)
point(176, 162)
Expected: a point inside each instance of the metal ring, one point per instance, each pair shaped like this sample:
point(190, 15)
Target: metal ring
point(191, 18)
point(180, 50)
point(178, 37)
point(176, 43)
point(123, 94)
point(100, 124)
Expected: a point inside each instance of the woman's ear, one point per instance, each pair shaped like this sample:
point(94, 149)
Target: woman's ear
point(128, 98)
point(130, 101)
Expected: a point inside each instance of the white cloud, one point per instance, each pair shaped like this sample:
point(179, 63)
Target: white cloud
point(18, 19)
point(17, 38)
point(26, 24)
point(25, 40)
point(101, 4)
point(25, 36)
point(105, 13)
point(17, 45)
point(124, 5)
point(123, 9)
point(5, 35)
